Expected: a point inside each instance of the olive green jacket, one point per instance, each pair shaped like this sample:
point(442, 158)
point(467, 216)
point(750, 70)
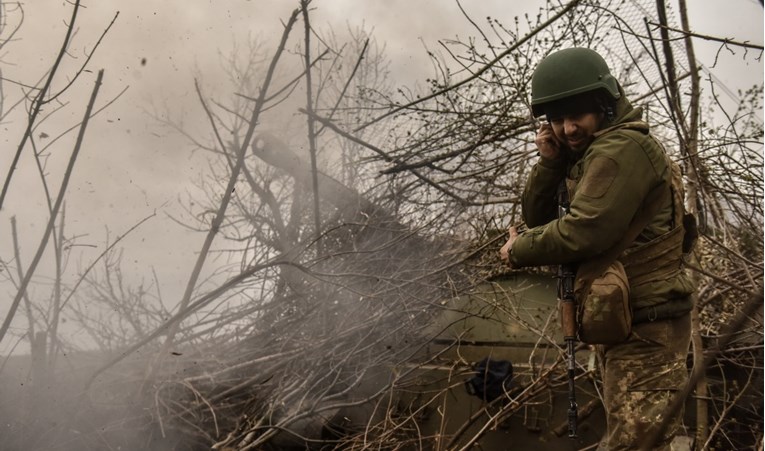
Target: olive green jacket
point(612, 178)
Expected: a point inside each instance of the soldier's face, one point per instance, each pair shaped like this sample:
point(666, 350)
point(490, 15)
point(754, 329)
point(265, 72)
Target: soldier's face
point(576, 130)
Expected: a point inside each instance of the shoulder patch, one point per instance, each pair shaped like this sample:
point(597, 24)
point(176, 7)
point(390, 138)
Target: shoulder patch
point(598, 177)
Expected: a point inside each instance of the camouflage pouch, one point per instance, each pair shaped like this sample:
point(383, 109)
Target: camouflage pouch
point(603, 307)
point(691, 232)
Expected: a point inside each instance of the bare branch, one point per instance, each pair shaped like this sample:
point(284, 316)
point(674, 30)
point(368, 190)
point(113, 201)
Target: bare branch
point(59, 200)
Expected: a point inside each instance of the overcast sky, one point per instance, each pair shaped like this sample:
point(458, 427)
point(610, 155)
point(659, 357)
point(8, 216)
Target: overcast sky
point(130, 167)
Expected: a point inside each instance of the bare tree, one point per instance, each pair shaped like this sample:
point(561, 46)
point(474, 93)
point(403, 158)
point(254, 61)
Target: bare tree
point(350, 244)
point(311, 333)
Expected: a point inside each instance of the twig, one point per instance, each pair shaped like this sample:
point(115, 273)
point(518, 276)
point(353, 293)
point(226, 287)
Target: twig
point(733, 285)
point(347, 84)
point(58, 249)
point(37, 105)
point(87, 60)
point(479, 72)
point(17, 256)
point(51, 221)
point(311, 132)
point(654, 434)
point(220, 214)
point(288, 86)
point(706, 37)
point(183, 313)
point(97, 259)
point(384, 154)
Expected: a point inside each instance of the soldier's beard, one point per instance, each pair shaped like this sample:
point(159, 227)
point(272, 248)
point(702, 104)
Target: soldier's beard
point(579, 143)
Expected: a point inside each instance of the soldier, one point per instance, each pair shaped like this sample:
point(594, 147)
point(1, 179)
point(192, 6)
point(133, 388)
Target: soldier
point(595, 141)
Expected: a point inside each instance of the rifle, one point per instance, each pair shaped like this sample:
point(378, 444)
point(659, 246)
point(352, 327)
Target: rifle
point(566, 276)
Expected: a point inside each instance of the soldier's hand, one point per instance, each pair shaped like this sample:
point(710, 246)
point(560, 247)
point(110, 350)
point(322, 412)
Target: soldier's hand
point(504, 252)
point(547, 143)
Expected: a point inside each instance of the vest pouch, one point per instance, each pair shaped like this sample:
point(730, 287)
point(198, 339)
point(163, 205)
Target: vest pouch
point(691, 232)
point(603, 310)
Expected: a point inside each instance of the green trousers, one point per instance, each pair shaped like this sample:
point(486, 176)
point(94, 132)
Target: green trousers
point(640, 377)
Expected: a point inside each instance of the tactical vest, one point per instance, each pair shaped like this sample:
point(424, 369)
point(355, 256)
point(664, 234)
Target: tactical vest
point(657, 264)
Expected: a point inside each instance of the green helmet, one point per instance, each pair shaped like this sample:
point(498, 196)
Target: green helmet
point(567, 73)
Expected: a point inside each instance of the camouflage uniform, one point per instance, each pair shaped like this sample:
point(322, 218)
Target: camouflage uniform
point(611, 178)
point(640, 376)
